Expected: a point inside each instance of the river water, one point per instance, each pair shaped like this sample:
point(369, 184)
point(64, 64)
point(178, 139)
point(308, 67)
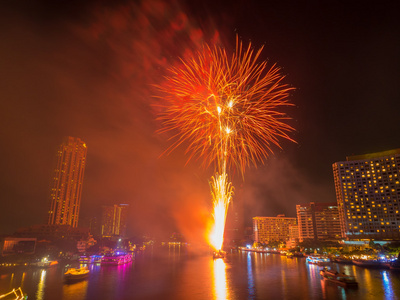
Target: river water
point(175, 273)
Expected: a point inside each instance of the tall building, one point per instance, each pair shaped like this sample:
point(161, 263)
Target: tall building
point(318, 221)
point(368, 194)
point(114, 220)
point(232, 234)
point(67, 183)
point(268, 229)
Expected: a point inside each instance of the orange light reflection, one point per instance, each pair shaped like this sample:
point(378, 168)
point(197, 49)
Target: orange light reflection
point(41, 285)
point(220, 284)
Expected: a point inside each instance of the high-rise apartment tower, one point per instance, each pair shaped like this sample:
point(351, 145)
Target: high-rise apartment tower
point(67, 183)
point(368, 195)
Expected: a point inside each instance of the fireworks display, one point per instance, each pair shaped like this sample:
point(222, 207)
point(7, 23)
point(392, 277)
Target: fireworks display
point(225, 110)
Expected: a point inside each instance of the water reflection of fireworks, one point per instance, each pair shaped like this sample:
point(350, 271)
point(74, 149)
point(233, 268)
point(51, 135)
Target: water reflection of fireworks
point(226, 108)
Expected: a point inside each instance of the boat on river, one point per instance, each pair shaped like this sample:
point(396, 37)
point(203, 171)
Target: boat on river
point(368, 263)
point(116, 259)
point(298, 254)
point(343, 260)
point(219, 254)
point(338, 278)
point(45, 263)
point(74, 274)
point(318, 260)
point(90, 259)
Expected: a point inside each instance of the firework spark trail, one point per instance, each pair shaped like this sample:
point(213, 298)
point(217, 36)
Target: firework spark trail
point(227, 111)
point(221, 191)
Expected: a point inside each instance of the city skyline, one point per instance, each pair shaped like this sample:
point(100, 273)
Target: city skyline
point(86, 70)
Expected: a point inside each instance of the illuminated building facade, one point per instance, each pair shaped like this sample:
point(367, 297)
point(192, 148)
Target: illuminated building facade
point(368, 195)
point(114, 220)
point(293, 236)
point(267, 229)
point(13, 245)
point(318, 221)
point(67, 183)
point(294, 232)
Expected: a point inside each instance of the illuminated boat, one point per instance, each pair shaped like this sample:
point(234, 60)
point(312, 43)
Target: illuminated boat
point(45, 263)
point(116, 259)
point(85, 259)
point(92, 259)
point(219, 254)
point(368, 263)
point(97, 258)
point(318, 260)
point(298, 254)
point(76, 274)
point(343, 260)
point(338, 278)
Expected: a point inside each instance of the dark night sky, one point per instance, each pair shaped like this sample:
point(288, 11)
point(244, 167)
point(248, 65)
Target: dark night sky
point(87, 70)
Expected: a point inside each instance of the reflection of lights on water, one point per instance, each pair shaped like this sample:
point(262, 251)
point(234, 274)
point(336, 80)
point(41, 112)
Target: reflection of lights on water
point(312, 271)
point(353, 268)
point(220, 289)
point(250, 279)
point(41, 285)
point(174, 251)
point(122, 269)
point(314, 277)
point(343, 292)
point(367, 279)
point(385, 278)
point(347, 270)
point(285, 288)
point(11, 280)
point(23, 279)
point(76, 290)
point(387, 285)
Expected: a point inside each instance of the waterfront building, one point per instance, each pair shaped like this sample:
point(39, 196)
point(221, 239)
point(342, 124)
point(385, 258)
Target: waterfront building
point(66, 189)
point(15, 245)
point(114, 220)
point(318, 221)
point(368, 194)
point(267, 229)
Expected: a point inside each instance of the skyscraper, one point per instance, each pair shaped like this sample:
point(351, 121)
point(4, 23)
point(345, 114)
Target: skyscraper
point(318, 221)
point(67, 183)
point(114, 220)
point(368, 194)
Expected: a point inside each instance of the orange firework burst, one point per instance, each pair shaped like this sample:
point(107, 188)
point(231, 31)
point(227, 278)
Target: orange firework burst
point(212, 94)
point(226, 108)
